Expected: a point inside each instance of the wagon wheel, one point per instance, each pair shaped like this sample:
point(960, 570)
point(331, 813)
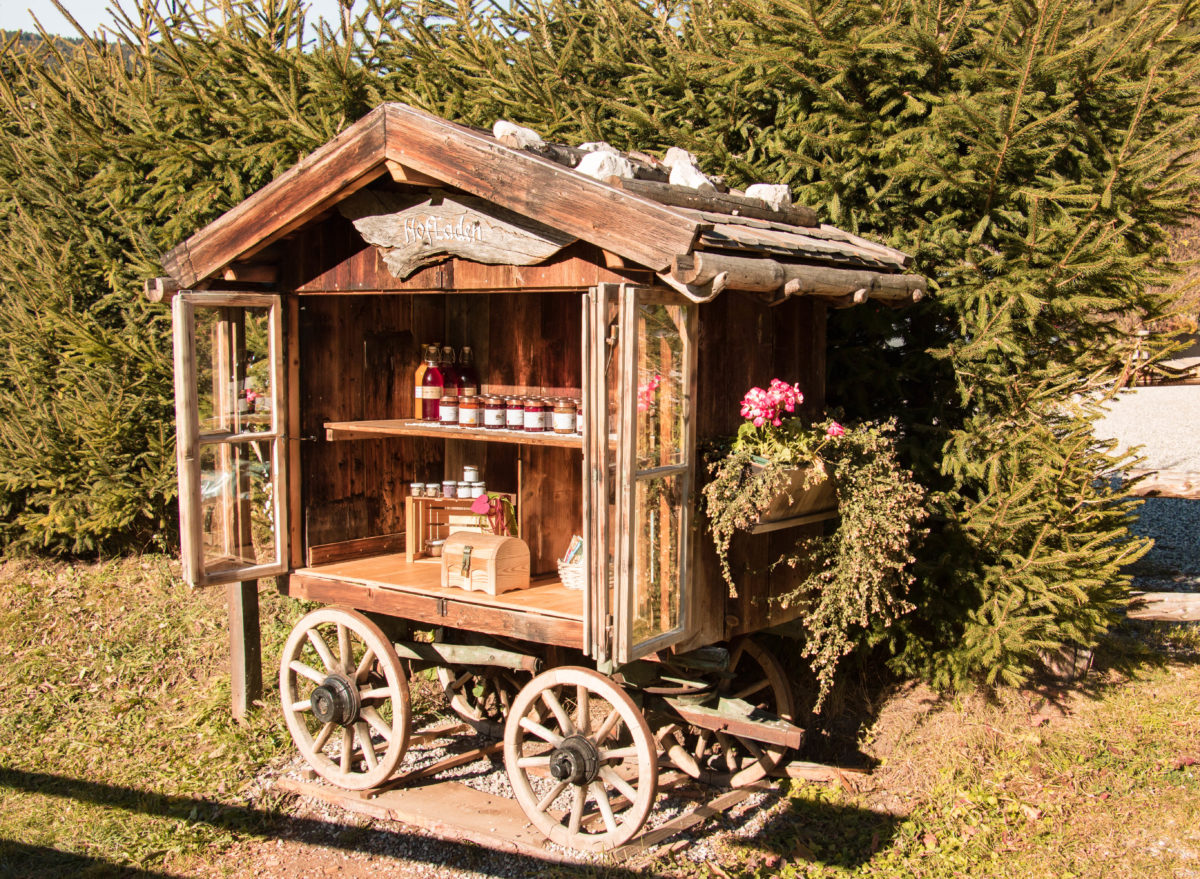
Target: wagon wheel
point(345, 697)
point(481, 695)
point(572, 736)
point(726, 760)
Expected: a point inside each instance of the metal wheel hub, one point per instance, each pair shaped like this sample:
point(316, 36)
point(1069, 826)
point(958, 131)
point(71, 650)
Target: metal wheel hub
point(336, 701)
point(576, 760)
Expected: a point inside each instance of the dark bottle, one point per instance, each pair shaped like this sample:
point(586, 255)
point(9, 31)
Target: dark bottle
point(467, 373)
point(451, 382)
point(433, 385)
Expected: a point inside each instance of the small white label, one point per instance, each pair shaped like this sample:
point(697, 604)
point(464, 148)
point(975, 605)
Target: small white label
point(468, 417)
point(515, 418)
point(493, 417)
point(448, 413)
point(432, 392)
point(564, 422)
point(534, 420)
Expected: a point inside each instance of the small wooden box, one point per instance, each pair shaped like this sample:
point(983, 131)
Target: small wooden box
point(494, 564)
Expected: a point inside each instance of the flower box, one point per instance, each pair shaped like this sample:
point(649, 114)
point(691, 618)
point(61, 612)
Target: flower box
point(795, 499)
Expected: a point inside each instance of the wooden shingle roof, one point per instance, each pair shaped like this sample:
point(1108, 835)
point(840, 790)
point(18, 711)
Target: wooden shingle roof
point(697, 243)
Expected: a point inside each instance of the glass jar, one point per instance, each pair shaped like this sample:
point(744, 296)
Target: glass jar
point(493, 413)
point(448, 410)
point(464, 490)
point(478, 489)
point(433, 490)
point(449, 488)
point(470, 473)
point(579, 417)
point(535, 415)
point(468, 411)
point(514, 413)
point(562, 417)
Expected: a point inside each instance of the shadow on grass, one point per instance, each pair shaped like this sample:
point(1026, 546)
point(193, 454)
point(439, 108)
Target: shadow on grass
point(835, 834)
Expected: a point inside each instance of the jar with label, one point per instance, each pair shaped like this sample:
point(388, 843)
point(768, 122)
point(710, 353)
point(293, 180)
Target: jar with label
point(416, 489)
point(493, 413)
point(563, 416)
point(478, 489)
point(535, 415)
point(579, 417)
point(464, 490)
point(468, 411)
point(448, 410)
point(514, 413)
point(449, 488)
point(470, 473)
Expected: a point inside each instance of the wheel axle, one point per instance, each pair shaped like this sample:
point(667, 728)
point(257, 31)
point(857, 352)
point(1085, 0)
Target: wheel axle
point(336, 701)
point(576, 761)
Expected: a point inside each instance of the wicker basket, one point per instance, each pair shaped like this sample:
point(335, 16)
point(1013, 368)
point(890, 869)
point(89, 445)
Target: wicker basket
point(572, 574)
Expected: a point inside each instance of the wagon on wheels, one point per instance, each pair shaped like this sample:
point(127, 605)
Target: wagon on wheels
point(523, 520)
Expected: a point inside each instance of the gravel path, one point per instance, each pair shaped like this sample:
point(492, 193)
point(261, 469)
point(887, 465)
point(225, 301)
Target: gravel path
point(1165, 423)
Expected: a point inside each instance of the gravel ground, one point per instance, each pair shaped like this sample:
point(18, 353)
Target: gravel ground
point(1165, 423)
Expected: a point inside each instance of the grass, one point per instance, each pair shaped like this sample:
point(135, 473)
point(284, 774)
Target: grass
point(116, 742)
point(117, 752)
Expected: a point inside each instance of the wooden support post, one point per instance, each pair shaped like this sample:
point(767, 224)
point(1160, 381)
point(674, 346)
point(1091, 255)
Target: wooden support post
point(245, 647)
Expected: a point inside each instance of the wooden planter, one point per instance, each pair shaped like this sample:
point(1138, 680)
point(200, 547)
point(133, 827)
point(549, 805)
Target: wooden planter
point(796, 504)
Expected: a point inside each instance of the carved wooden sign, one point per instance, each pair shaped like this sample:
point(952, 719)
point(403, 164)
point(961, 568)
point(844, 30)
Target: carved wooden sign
point(412, 232)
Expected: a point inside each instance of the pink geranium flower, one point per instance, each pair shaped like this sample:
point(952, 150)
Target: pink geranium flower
point(767, 406)
point(835, 429)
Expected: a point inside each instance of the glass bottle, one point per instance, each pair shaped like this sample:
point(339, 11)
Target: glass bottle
point(451, 382)
point(432, 386)
point(467, 373)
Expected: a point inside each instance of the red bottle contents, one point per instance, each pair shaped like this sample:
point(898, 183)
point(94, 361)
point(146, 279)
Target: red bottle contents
point(433, 385)
point(467, 373)
point(451, 381)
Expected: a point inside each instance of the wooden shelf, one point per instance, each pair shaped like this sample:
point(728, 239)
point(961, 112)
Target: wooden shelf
point(352, 430)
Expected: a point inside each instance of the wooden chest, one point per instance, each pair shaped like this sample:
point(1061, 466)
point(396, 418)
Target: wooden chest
point(485, 562)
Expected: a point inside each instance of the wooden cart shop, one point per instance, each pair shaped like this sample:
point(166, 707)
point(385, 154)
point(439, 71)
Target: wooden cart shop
point(443, 381)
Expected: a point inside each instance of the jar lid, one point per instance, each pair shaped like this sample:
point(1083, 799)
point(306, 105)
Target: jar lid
point(450, 398)
point(515, 400)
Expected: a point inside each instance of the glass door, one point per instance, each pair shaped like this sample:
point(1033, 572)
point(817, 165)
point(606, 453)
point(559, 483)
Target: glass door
point(640, 463)
point(230, 448)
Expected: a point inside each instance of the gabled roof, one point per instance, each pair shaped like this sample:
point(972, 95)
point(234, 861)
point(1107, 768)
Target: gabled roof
point(631, 226)
point(698, 243)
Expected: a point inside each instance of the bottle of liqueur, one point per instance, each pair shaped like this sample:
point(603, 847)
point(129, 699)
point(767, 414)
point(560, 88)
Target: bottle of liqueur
point(433, 385)
point(451, 381)
point(467, 373)
point(418, 392)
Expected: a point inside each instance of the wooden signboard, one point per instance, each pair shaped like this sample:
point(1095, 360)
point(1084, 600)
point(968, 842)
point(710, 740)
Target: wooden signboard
point(413, 232)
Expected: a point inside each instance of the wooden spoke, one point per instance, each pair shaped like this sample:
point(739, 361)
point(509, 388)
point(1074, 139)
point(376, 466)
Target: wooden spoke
point(577, 808)
point(371, 716)
point(480, 695)
point(323, 736)
point(364, 666)
point(560, 713)
point(347, 748)
point(540, 731)
point(583, 718)
point(307, 671)
point(322, 649)
point(619, 753)
point(457, 684)
point(368, 747)
point(544, 803)
point(623, 799)
point(344, 648)
point(379, 677)
point(613, 777)
point(606, 728)
point(601, 797)
point(748, 691)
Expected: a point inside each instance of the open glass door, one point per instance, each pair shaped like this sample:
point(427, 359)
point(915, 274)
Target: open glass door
point(229, 414)
point(641, 466)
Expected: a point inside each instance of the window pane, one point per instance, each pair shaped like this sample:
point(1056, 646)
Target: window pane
point(656, 557)
point(233, 373)
point(237, 507)
point(660, 388)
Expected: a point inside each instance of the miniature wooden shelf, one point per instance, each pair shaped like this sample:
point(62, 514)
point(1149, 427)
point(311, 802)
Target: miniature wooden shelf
point(352, 430)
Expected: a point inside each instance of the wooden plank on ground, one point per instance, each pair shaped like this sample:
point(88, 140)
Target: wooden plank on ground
point(677, 825)
point(1166, 483)
point(1171, 607)
point(448, 810)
